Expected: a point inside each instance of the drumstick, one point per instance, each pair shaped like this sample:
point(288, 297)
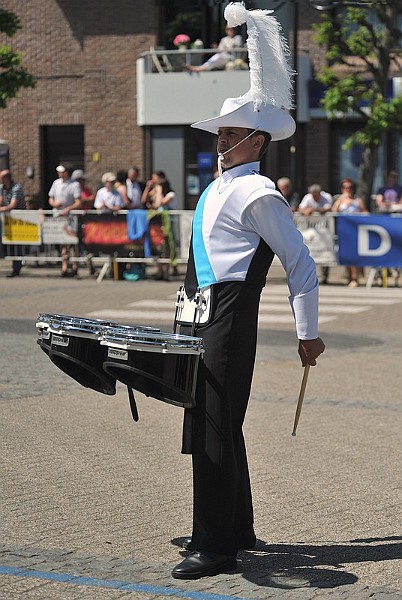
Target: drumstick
point(178, 304)
point(301, 397)
point(133, 404)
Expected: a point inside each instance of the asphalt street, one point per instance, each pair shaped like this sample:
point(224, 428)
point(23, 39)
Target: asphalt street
point(94, 505)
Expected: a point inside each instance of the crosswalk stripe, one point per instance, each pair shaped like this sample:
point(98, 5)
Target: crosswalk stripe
point(366, 301)
point(343, 291)
point(267, 306)
point(274, 306)
point(336, 294)
point(341, 300)
point(141, 317)
point(272, 320)
point(136, 315)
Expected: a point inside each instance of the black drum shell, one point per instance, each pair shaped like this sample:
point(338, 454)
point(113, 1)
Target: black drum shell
point(82, 359)
point(167, 376)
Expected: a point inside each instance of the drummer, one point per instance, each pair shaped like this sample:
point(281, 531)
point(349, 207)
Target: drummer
point(240, 223)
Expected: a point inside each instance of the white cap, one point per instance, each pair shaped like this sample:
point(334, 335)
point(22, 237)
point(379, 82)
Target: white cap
point(78, 174)
point(108, 177)
point(60, 169)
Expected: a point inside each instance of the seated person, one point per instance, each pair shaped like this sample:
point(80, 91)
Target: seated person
point(224, 52)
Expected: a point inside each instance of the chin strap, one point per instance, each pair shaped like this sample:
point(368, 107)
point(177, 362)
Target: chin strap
point(222, 154)
point(220, 157)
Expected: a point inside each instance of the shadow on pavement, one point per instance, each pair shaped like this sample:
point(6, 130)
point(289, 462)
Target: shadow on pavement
point(291, 566)
point(304, 565)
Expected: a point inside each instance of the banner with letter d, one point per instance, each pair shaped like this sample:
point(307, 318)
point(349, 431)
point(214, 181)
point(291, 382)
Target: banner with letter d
point(370, 240)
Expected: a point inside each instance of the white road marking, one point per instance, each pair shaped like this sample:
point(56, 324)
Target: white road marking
point(274, 306)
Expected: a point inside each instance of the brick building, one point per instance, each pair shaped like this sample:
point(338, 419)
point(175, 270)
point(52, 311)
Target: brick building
point(96, 105)
point(83, 108)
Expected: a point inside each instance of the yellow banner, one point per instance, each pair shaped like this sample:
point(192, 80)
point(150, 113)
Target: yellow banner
point(21, 228)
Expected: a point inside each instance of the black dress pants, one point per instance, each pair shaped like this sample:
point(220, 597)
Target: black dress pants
point(212, 430)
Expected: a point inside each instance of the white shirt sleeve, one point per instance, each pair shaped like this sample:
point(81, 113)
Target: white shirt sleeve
point(52, 190)
point(170, 200)
point(329, 199)
point(272, 219)
point(307, 202)
point(76, 189)
point(99, 198)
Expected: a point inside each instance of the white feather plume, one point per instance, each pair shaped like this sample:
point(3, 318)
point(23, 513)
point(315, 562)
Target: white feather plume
point(270, 73)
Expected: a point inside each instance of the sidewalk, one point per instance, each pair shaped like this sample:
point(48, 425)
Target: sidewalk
point(94, 505)
point(337, 275)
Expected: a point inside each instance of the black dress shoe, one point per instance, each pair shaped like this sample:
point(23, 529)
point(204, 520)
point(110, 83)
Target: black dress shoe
point(247, 541)
point(13, 274)
point(204, 564)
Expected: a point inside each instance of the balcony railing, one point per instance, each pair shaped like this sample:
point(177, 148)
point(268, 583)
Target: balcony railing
point(171, 61)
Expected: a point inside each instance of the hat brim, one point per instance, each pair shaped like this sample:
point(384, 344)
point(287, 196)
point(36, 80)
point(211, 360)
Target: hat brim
point(275, 121)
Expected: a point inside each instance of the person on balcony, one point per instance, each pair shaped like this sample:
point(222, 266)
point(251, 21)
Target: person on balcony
point(224, 54)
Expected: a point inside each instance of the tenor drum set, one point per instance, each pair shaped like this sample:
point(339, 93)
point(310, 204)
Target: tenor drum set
point(97, 353)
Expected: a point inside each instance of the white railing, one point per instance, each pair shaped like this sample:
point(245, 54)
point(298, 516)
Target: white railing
point(35, 236)
point(170, 61)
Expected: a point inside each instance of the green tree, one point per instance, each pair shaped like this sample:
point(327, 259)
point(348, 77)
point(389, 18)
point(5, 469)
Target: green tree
point(13, 76)
point(364, 50)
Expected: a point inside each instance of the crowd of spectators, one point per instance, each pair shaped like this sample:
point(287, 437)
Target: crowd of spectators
point(125, 190)
point(122, 190)
point(317, 201)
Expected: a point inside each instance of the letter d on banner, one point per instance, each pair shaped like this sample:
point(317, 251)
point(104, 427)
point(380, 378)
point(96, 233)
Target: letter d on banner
point(363, 240)
point(369, 240)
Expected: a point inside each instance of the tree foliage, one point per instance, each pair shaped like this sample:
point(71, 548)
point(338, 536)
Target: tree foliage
point(189, 23)
point(13, 75)
point(364, 51)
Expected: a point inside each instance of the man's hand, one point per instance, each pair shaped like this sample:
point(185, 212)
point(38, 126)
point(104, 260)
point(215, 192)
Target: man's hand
point(309, 350)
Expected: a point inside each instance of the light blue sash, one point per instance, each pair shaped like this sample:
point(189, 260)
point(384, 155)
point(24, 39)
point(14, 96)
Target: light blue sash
point(203, 267)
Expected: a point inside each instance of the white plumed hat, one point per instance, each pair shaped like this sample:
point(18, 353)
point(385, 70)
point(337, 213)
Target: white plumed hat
point(265, 105)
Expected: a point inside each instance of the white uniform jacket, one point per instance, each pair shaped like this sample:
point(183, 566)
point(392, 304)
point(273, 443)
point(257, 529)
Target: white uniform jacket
point(231, 217)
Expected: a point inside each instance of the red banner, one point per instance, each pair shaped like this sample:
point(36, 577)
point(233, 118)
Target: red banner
point(107, 233)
